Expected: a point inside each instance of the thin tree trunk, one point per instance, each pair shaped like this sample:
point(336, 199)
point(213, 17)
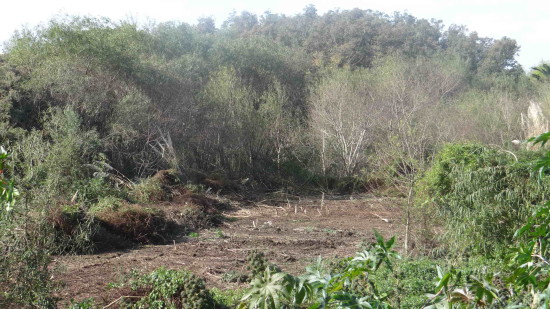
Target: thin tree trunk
point(408, 215)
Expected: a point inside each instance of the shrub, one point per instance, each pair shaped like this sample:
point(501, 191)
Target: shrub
point(52, 162)
point(173, 289)
point(322, 288)
point(107, 203)
point(226, 299)
point(481, 195)
point(157, 188)
point(25, 279)
point(257, 263)
point(73, 229)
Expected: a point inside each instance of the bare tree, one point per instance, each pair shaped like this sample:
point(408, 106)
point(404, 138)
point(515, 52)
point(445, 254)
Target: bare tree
point(342, 117)
point(411, 95)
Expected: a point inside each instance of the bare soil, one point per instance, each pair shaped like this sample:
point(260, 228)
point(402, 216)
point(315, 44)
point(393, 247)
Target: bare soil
point(291, 233)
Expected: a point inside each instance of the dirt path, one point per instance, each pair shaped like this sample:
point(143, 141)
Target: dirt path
point(292, 236)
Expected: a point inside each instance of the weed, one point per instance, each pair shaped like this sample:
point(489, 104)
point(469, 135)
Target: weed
point(220, 234)
point(87, 303)
point(227, 299)
point(233, 276)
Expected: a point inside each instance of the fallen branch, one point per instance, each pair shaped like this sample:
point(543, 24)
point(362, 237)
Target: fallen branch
point(379, 217)
point(120, 298)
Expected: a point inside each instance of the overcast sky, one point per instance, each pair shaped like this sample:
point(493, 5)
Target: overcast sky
point(527, 21)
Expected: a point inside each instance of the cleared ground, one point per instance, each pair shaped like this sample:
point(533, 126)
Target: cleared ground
point(291, 233)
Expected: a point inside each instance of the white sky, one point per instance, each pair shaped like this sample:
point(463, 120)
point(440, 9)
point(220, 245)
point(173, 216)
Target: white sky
point(526, 21)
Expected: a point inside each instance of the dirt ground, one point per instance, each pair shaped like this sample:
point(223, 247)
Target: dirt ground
point(291, 233)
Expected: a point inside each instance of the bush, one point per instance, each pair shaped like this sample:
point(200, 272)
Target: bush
point(226, 299)
point(481, 195)
point(319, 287)
point(173, 289)
point(157, 188)
point(53, 161)
point(73, 229)
point(25, 279)
point(107, 203)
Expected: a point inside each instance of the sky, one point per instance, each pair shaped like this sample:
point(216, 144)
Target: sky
point(526, 21)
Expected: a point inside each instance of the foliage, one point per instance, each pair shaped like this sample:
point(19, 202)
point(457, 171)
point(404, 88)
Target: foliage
point(53, 164)
point(527, 277)
point(73, 229)
point(257, 264)
point(227, 298)
point(24, 274)
point(238, 100)
point(541, 73)
point(319, 288)
point(147, 191)
point(481, 195)
point(89, 106)
point(8, 193)
point(173, 289)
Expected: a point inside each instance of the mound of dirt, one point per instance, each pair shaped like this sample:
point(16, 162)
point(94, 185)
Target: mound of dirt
point(116, 223)
point(154, 223)
point(167, 178)
point(193, 211)
point(134, 222)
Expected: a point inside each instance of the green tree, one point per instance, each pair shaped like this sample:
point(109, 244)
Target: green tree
point(541, 72)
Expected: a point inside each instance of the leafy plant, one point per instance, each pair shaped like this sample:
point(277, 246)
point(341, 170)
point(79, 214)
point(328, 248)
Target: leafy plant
point(257, 263)
point(265, 290)
point(481, 195)
point(8, 193)
point(25, 279)
point(173, 289)
point(319, 288)
point(528, 262)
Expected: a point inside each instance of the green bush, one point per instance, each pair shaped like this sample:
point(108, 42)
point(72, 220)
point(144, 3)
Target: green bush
point(156, 188)
point(107, 203)
point(481, 195)
point(322, 287)
point(25, 279)
point(173, 289)
point(73, 229)
point(227, 298)
point(147, 190)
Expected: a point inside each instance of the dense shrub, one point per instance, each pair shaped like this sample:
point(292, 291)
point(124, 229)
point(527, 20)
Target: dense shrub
point(25, 279)
point(481, 195)
point(173, 289)
point(73, 229)
point(157, 188)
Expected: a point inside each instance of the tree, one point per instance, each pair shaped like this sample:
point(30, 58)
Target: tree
point(206, 25)
point(242, 23)
point(541, 72)
point(411, 123)
point(342, 119)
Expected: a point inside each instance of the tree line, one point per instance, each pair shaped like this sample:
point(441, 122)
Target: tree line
point(272, 97)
